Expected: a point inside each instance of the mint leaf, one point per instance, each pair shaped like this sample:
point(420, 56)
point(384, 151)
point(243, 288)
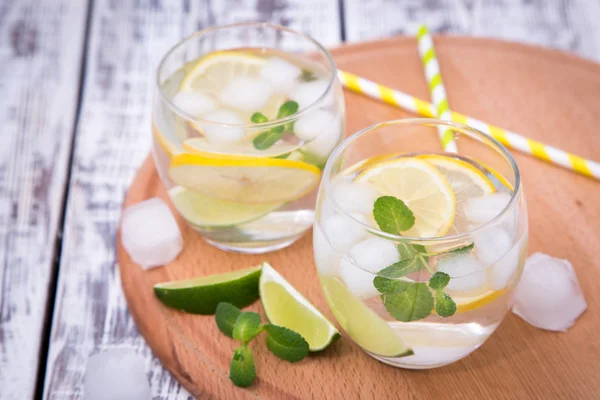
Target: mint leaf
point(406, 251)
point(241, 369)
point(285, 343)
point(386, 279)
point(392, 215)
point(258, 118)
point(226, 317)
point(288, 108)
point(464, 249)
point(439, 280)
point(267, 139)
point(308, 76)
point(444, 305)
point(414, 303)
point(247, 326)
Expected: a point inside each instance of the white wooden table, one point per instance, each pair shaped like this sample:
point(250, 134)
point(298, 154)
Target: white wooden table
point(76, 78)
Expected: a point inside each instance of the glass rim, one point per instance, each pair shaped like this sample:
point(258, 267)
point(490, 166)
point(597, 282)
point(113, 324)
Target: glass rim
point(268, 124)
point(482, 137)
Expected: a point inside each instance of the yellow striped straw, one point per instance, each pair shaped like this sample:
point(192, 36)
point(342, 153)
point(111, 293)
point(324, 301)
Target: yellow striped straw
point(436, 87)
point(510, 139)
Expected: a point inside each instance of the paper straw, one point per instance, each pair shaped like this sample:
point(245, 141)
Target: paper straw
point(436, 87)
point(510, 139)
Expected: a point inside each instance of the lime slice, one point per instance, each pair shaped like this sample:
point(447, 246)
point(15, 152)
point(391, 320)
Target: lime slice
point(421, 186)
point(285, 306)
point(204, 211)
point(245, 180)
point(365, 327)
point(201, 295)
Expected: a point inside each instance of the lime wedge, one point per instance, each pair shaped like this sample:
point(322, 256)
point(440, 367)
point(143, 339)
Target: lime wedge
point(365, 327)
point(202, 295)
point(204, 211)
point(285, 306)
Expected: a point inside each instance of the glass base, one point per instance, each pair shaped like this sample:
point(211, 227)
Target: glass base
point(427, 357)
point(253, 247)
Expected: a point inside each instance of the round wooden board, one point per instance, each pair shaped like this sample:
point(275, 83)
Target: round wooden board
point(546, 95)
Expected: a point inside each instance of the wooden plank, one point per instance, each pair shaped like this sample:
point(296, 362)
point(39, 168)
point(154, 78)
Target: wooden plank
point(569, 25)
point(40, 62)
point(126, 40)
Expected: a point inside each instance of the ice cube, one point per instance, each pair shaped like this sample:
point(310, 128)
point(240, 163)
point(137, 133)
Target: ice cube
point(483, 209)
point(322, 146)
point(149, 233)
point(359, 282)
point(281, 74)
point(466, 272)
point(116, 374)
point(374, 254)
point(549, 296)
point(306, 93)
point(491, 244)
point(504, 270)
point(311, 124)
point(342, 232)
point(195, 103)
point(326, 259)
point(355, 196)
point(246, 94)
point(219, 134)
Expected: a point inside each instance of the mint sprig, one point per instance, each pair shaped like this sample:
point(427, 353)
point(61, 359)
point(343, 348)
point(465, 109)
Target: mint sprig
point(409, 300)
point(268, 138)
point(245, 327)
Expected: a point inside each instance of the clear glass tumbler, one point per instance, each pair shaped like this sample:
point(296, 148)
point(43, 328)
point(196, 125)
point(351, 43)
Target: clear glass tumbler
point(244, 119)
point(418, 250)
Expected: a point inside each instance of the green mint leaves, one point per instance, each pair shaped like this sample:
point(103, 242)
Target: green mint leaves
point(307, 76)
point(392, 215)
point(244, 327)
point(407, 300)
point(285, 343)
point(268, 138)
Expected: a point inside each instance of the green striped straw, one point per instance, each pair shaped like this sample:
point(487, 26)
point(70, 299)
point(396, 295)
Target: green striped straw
point(436, 87)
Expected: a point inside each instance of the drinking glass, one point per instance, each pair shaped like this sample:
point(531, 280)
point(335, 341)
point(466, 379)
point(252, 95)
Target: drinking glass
point(432, 292)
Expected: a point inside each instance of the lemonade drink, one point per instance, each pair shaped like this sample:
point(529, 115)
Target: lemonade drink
point(425, 287)
point(242, 131)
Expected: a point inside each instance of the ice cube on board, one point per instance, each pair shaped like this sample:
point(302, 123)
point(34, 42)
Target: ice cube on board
point(355, 196)
point(281, 74)
point(219, 134)
point(247, 94)
point(342, 232)
point(195, 103)
point(116, 374)
point(149, 233)
point(548, 295)
point(466, 272)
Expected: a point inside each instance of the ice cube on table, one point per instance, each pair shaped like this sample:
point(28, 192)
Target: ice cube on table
point(326, 258)
point(467, 274)
point(548, 295)
point(355, 196)
point(322, 146)
point(195, 103)
point(247, 94)
point(306, 93)
point(480, 210)
point(219, 134)
point(149, 233)
point(281, 74)
point(116, 374)
point(342, 232)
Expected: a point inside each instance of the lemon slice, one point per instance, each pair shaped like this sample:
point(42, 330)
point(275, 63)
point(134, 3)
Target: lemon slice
point(422, 187)
point(243, 148)
point(202, 295)
point(285, 306)
point(211, 74)
point(464, 304)
point(245, 180)
point(204, 211)
point(365, 327)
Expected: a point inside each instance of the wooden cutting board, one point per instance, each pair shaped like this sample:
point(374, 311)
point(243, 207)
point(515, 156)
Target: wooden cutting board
point(546, 95)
